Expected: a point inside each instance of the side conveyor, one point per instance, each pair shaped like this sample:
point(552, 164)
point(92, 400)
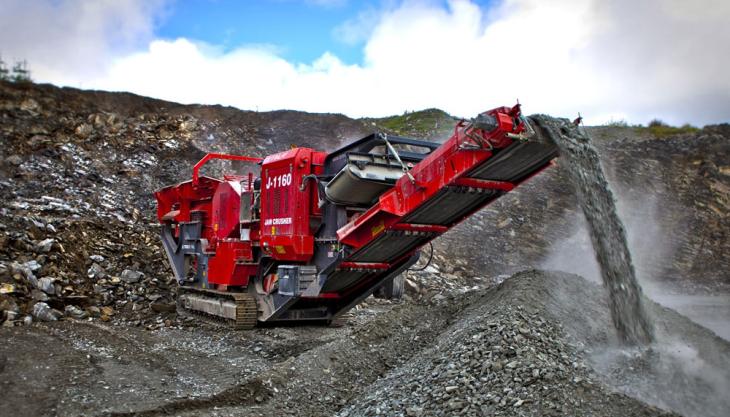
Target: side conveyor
point(452, 183)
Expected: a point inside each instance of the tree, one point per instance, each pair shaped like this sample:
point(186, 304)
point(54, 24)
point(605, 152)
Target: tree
point(21, 73)
point(4, 72)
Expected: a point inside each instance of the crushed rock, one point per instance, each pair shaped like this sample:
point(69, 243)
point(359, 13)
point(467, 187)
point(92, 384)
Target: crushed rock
point(532, 346)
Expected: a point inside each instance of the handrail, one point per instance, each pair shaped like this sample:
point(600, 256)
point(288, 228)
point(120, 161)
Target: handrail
point(210, 156)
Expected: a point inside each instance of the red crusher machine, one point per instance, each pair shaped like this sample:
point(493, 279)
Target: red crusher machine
point(311, 234)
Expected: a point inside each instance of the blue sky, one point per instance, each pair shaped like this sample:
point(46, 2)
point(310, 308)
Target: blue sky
point(299, 31)
point(618, 60)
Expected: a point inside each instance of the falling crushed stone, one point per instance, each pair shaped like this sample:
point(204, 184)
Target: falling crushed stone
point(605, 227)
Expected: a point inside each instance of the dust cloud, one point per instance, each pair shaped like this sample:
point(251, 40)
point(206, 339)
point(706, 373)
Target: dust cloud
point(607, 232)
point(673, 372)
point(649, 224)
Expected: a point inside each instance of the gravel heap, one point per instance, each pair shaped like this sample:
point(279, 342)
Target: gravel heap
point(506, 355)
point(76, 234)
point(441, 276)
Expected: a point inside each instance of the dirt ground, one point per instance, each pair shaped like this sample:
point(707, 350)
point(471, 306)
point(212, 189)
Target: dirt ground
point(72, 368)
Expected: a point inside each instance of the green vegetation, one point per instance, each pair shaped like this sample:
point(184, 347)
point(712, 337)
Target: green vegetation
point(429, 123)
point(619, 123)
point(656, 128)
point(660, 129)
point(437, 124)
point(19, 74)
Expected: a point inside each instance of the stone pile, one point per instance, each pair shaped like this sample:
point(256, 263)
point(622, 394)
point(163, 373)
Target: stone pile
point(505, 355)
point(509, 362)
point(76, 232)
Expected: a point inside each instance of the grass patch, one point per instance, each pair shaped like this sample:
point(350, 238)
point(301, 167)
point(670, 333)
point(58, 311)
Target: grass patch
point(429, 123)
point(656, 128)
point(660, 129)
point(617, 123)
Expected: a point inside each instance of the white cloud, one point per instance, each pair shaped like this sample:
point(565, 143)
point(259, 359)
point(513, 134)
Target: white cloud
point(608, 60)
point(66, 42)
point(357, 30)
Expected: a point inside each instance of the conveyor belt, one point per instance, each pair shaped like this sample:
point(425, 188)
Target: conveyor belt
point(391, 245)
point(450, 205)
point(516, 162)
point(341, 279)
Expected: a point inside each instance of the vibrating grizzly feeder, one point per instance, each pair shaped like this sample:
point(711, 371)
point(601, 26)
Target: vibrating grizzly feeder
point(311, 234)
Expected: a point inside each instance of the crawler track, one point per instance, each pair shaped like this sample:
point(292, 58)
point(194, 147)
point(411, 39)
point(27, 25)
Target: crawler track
point(246, 310)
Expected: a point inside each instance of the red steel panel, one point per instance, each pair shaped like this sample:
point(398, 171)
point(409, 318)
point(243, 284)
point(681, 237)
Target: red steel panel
point(226, 208)
point(477, 183)
point(285, 207)
point(419, 227)
point(364, 265)
point(227, 266)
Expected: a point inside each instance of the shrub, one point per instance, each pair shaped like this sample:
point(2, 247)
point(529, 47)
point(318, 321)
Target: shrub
point(617, 123)
point(19, 74)
point(660, 129)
